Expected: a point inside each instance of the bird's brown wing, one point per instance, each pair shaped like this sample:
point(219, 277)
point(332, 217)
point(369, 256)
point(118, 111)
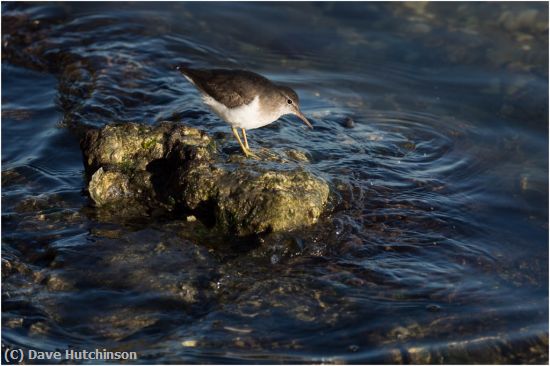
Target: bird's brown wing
point(229, 87)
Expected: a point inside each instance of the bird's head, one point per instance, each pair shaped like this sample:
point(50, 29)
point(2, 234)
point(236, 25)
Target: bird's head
point(290, 104)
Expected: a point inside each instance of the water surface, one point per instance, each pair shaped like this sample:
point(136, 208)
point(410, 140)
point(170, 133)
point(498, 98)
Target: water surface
point(431, 126)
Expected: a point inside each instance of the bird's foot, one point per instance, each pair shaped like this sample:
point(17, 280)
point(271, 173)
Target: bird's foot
point(249, 154)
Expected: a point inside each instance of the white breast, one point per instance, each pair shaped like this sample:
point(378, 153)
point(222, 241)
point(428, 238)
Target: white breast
point(248, 116)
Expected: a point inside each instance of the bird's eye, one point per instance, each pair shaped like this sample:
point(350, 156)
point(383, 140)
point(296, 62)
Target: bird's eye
point(289, 101)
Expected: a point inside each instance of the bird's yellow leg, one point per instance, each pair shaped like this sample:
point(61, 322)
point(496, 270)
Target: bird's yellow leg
point(243, 148)
point(245, 140)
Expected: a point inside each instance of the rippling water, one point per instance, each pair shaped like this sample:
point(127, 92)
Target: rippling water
point(431, 125)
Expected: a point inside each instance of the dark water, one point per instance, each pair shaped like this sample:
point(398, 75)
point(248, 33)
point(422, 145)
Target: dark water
point(435, 246)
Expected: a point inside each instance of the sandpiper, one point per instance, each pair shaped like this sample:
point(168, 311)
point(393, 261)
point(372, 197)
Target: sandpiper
point(244, 99)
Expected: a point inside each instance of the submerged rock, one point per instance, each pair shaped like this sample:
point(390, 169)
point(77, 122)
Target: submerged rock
point(177, 167)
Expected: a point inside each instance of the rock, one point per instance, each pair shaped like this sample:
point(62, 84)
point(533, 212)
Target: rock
point(349, 123)
point(524, 20)
point(297, 155)
point(247, 202)
point(179, 167)
point(353, 348)
point(39, 328)
point(131, 146)
point(189, 343)
point(433, 307)
point(12, 177)
point(147, 261)
point(14, 323)
point(109, 186)
point(59, 283)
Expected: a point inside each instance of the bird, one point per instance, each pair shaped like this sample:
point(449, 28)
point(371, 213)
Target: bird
point(244, 99)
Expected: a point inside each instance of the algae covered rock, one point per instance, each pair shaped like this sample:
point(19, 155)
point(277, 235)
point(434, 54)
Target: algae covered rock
point(276, 201)
point(132, 146)
point(179, 168)
point(105, 187)
point(249, 202)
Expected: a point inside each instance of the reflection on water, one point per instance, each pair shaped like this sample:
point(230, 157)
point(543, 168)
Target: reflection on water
point(430, 124)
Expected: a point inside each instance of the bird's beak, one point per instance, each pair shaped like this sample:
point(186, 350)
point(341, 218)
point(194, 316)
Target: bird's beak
point(303, 118)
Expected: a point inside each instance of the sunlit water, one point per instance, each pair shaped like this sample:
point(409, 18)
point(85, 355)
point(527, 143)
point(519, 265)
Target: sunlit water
point(430, 126)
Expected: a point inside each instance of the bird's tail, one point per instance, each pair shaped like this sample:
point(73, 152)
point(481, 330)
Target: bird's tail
point(184, 67)
point(188, 72)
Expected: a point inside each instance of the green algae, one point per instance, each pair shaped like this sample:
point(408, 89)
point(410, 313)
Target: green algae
point(179, 167)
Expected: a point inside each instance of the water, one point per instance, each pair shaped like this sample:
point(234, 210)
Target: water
point(435, 247)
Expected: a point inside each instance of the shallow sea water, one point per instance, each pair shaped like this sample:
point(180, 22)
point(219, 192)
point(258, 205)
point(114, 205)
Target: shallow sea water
point(431, 126)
